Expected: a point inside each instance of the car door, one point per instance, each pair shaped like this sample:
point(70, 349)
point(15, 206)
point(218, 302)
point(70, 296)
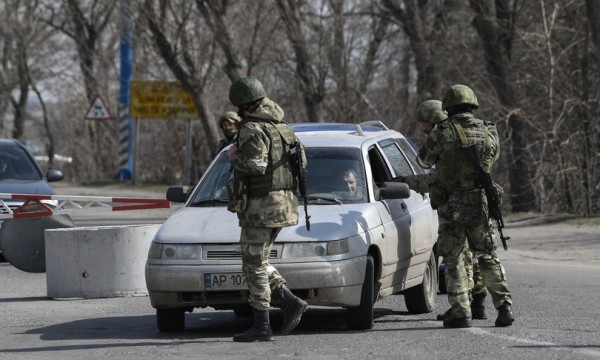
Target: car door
point(395, 218)
point(413, 245)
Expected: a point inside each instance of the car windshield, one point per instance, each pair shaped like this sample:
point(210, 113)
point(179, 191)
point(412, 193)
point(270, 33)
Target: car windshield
point(333, 175)
point(15, 164)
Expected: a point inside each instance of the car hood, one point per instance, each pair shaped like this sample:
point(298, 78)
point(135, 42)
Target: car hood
point(39, 187)
point(217, 225)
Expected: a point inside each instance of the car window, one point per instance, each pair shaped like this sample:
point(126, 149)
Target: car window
point(214, 183)
point(16, 164)
point(330, 173)
point(398, 161)
point(327, 178)
point(410, 149)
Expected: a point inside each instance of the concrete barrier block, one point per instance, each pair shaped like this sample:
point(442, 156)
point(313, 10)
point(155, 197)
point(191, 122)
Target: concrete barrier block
point(97, 262)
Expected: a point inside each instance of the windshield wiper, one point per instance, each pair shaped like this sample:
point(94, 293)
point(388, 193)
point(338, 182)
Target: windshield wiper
point(322, 198)
point(208, 202)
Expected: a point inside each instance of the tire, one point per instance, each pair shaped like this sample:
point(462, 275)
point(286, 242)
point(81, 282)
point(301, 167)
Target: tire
point(168, 320)
point(421, 298)
point(361, 317)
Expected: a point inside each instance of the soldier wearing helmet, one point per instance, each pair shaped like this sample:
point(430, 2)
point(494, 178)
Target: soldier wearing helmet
point(262, 194)
point(464, 214)
point(228, 123)
point(429, 115)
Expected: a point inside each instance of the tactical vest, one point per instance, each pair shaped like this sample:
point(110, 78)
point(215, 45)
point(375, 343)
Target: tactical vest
point(278, 175)
point(455, 170)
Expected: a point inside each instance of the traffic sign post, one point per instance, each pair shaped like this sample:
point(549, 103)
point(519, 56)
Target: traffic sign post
point(165, 100)
point(98, 111)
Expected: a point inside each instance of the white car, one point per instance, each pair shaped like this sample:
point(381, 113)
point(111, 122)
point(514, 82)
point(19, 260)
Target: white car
point(361, 247)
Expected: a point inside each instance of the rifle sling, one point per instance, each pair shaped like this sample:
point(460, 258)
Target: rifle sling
point(461, 132)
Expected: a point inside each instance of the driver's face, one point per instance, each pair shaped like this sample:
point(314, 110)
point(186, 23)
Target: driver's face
point(350, 180)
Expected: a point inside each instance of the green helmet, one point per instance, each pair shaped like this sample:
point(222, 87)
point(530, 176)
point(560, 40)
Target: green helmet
point(231, 116)
point(430, 111)
point(246, 90)
point(459, 95)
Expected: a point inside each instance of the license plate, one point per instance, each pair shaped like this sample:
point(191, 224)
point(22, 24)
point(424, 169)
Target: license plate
point(224, 281)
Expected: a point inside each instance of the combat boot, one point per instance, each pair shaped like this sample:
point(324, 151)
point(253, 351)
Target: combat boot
point(455, 323)
point(478, 307)
point(260, 331)
point(293, 307)
point(505, 316)
point(444, 316)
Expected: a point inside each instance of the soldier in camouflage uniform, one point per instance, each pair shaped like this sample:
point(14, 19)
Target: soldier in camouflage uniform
point(228, 123)
point(464, 214)
point(429, 114)
point(263, 195)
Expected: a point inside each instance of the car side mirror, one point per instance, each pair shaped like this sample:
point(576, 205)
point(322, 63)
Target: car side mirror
point(394, 190)
point(54, 175)
point(178, 193)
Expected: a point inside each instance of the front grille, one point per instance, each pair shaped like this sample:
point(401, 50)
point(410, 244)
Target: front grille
point(232, 252)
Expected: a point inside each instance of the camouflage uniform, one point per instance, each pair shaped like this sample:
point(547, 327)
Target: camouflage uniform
point(262, 194)
point(267, 211)
point(464, 215)
point(422, 184)
point(429, 114)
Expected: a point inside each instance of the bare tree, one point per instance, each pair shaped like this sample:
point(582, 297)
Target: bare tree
point(494, 22)
point(83, 24)
point(310, 72)
point(421, 22)
point(169, 24)
point(593, 12)
point(16, 33)
point(214, 13)
point(360, 30)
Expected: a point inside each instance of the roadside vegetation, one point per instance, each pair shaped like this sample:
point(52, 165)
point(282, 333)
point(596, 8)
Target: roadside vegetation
point(534, 65)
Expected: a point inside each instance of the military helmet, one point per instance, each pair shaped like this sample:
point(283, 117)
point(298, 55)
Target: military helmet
point(459, 95)
point(246, 90)
point(231, 116)
point(430, 111)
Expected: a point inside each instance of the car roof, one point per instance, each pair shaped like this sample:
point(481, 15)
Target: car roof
point(8, 142)
point(342, 134)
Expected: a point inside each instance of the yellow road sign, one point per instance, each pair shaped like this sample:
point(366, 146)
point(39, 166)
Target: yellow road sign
point(161, 100)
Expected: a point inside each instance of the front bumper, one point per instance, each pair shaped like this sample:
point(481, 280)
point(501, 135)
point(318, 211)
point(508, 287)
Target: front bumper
point(335, 283)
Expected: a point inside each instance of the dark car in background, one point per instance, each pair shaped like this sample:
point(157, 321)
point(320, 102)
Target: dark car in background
point(20, 174)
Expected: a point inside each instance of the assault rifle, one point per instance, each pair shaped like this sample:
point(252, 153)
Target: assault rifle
point(491, 195)
point(300, 174)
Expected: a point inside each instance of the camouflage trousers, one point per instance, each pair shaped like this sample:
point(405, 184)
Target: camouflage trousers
point(261, 278)
point(475, 281)
point(482, 242)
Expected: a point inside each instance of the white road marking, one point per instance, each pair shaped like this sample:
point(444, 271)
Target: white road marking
point(553, 346)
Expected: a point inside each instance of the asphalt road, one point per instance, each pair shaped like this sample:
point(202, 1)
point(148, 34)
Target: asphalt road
point(553, 270)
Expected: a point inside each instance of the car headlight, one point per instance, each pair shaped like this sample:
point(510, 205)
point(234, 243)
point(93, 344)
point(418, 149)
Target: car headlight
point(174, 252)
point(324, 248)
point(338, 247)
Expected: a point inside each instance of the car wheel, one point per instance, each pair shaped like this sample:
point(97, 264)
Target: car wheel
point(361, 317)
point(170, 319)
point(421, 298)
